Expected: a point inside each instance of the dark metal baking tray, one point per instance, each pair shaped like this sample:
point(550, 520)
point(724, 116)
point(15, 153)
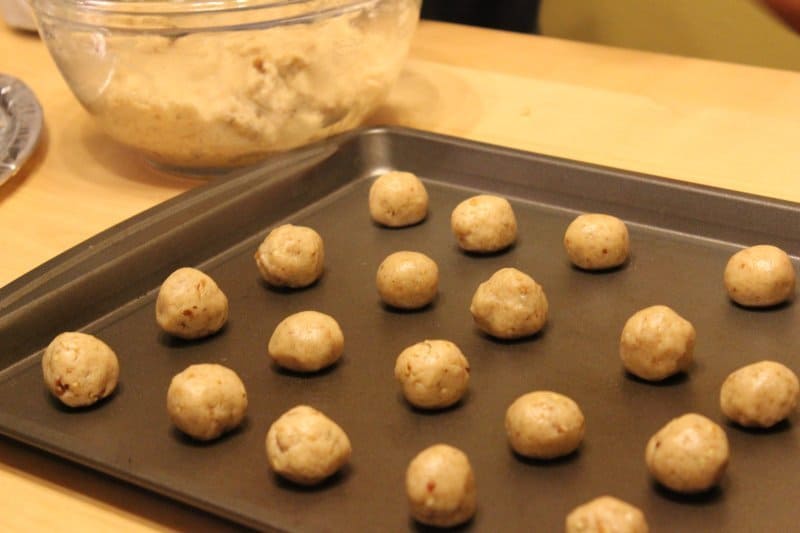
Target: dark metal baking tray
point(682, 236)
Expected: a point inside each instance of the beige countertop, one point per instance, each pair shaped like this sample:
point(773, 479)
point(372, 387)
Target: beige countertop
point(718, 124)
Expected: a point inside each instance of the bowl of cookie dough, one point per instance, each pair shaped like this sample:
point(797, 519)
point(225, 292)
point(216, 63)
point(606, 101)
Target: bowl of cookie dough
point(214, 84)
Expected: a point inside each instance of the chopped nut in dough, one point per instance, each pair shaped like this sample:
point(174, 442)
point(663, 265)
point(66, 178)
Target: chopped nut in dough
point(434, 373)
point(206, 400)
point(398, 199)
point(440, 486)
point(760, 395)
point(689, 454)
point(306, 447)
point(190, 305)
point(79, 369)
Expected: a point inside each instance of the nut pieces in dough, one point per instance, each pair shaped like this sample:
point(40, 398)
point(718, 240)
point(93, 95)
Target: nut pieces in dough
point(398, 199)
point(305, 446)
point(440, 486)
point(760, 276)
point(509, 305)
point(291, 256)
point(206, 400)
point(689, 454)
point(221, 98)
point(407, 280)
point(434, 373)
point(544, 425)
point(759, 395)
point(484, 224)
point(606, 514)
point(596, 241)
point(306, 342)
point(190, 305)
point(79, 369)
point(656, 343)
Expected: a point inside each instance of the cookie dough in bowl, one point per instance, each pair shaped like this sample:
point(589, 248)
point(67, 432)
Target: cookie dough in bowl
point(657, 342)
point(79, 369)
point(606, 514)
point(291, 256)
point(208, 85)
point(190, 305)
point(760, 394)
point(307, 341)
point(407, 280)
point(544, 425)
point(509, 305)
point(596, 241)
point(440, 486)
point(760, 276)
point(306, 447)
point(484, 223)
point(434, 374)
point(398, 199)
point(206, 400)
point(689, 454)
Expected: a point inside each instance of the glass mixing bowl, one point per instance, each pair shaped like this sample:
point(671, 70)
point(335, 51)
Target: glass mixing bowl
point(223, 83)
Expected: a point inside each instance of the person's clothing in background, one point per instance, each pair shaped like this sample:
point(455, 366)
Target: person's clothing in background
point(513, 15)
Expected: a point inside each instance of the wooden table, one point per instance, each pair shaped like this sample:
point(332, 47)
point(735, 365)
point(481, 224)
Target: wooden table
point(718, 124)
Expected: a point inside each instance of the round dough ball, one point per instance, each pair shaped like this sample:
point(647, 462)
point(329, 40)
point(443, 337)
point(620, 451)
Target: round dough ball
point(306, 342)
point(606, 514)
point(689, 454)
point(190, 305)
point(440, 485)
point(596, 241)
point(759, 395)
point(206, 400)
point(398, 199)
point(79, 369)
point(656, 343)
point(544, 425)
point(484, 224)
point(760, 276)
point(434, 373)
point(407, 280)
point(509, 305)
point(291, 256)
point(305, 446)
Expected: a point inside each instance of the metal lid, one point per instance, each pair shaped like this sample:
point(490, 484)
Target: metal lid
point(20, 125)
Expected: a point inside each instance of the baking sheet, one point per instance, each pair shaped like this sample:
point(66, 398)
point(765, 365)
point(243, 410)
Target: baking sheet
point(681, 239)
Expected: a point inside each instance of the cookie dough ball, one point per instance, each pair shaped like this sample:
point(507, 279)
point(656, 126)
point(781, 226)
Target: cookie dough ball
point(206, 400)
point(291, 256)
point(305, 446)
point(596, 242)
point(190, 305)
point(606, 514)
point(689, 454)
point(760, 276)
point(484, 224)
point(306, 342)
point(434, 373)
point(656, 343)
point(544, 425)
point(759, 395)
point(398, 199)
point(440, 485)
point(509, 305)
point(79, 369)
point(407, 280)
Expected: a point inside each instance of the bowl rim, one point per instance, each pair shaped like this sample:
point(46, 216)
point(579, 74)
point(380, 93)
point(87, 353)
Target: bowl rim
point(74, 11)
